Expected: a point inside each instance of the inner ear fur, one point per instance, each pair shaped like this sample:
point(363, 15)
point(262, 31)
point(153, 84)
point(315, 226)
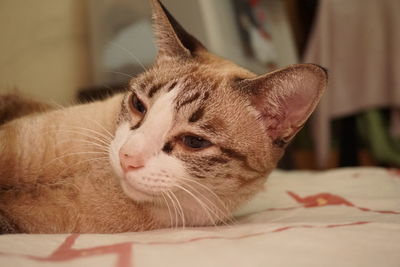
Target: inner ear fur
point(172, 39)
point(286, 98)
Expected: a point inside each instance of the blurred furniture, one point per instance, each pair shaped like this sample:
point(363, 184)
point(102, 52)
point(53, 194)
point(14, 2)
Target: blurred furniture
point(357, 41)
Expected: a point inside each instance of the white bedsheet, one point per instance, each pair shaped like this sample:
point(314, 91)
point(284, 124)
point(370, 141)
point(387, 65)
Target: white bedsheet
point(344, 217)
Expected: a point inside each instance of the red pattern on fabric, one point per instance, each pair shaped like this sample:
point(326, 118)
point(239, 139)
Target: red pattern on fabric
point(322, 199)
point(327, 199)
point(65, 252)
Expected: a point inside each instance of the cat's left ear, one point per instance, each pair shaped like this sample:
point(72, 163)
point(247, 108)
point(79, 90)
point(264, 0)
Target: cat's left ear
point(286, 98)
point(172, 39)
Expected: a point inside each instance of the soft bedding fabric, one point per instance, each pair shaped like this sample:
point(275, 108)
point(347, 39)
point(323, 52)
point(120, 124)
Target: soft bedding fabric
point(345, 217)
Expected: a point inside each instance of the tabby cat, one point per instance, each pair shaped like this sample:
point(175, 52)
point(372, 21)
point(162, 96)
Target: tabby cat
point(191, 139)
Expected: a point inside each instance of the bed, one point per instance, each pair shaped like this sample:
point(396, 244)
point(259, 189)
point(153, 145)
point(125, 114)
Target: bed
point(342, 217)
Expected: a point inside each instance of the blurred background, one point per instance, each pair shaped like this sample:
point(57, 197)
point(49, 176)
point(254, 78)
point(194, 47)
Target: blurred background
point(70, 51)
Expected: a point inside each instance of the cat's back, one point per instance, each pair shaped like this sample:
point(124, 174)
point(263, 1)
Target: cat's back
point(13, 106)
point(29, 142)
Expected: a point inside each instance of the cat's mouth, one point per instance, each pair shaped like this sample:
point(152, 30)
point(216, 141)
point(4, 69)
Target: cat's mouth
point(136, 193)
point(142, 188)
point(134, 188)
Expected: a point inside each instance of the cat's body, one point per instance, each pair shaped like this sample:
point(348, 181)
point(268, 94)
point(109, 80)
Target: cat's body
point(37, 188)
point(193, 138)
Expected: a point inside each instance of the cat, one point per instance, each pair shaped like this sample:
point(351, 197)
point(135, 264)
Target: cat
point(191, 139)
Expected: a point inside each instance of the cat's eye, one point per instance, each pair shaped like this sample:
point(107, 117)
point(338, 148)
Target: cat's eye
point(137, 105)
point(195, 142)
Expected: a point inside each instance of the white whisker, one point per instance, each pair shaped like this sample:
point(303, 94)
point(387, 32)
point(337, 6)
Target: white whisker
point(55, 103)
point(88, 135)
point(102, 127)
point(100, 159)
point(201, 203)
point(89, 143)
point(169, 210)
point(120, 73)
point(221, 215)
point(99, 134)
point(129, 53)
point(180, 210)
point(225, 211)
point(208, 190)
point(175, 208)
point(101, 147)
point(73, 154)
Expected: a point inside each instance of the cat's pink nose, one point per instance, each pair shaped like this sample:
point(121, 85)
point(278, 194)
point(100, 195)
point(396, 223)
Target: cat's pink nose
point(130, 162)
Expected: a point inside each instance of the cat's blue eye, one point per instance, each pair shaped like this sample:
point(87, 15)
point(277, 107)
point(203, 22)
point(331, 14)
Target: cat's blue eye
point(195, 142)
point(137, 105)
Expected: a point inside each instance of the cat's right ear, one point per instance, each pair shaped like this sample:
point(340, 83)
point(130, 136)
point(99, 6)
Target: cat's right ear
point(172, 39)
point(285, 98)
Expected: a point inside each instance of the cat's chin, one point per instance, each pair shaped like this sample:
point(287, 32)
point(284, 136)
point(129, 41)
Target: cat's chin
point(135, 193)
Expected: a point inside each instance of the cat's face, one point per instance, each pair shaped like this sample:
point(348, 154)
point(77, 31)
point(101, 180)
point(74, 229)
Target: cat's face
point(200, 131)
point(183, 126)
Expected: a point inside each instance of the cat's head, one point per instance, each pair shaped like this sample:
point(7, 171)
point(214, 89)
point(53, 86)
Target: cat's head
point(201, 131)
